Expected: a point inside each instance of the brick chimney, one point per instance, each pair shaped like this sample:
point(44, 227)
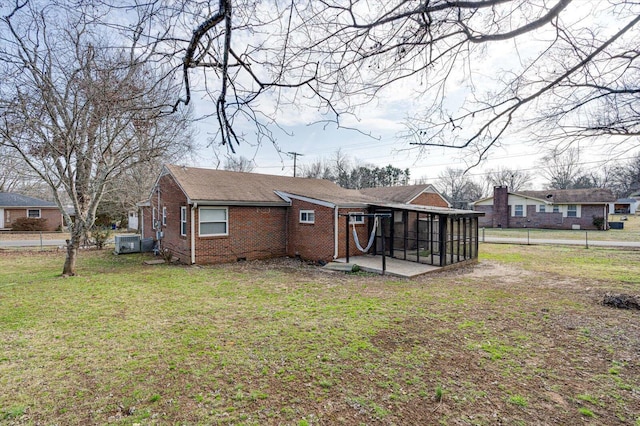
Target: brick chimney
point(500, 207)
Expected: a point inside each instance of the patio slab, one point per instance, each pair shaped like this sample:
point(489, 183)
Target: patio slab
point(395, 267)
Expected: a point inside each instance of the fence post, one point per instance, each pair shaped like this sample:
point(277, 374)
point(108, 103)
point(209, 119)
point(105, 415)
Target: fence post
point(586, 238)
point(483, 234)
point(41, 248)
point(528, 237)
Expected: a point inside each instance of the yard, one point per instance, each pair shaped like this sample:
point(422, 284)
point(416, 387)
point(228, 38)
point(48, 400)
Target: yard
point(521, 338)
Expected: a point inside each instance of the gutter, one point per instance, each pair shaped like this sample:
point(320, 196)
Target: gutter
point(335, 232)
point(193, 233)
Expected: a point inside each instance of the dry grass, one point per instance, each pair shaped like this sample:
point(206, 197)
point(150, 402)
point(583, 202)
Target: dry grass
point(509, 341)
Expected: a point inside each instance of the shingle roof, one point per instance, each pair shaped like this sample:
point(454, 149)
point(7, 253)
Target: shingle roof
point(571, 196)
point(10, 199)
point(236, 187)
point(397, 194)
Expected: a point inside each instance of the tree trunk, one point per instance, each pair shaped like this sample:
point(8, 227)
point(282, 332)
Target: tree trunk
point(73, 244)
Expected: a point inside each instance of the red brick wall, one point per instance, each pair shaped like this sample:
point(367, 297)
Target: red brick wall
point(430, 199)
point(550, 220)
point(171, 198)
point(547, 220)
point(316, 241)
point(51, 214)
point(501, 210)
point(485, 221)
point(311, 241)
point(253, 233)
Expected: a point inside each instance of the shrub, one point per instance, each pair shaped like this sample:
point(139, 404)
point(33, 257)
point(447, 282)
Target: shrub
point(598, 222)
point(29, 224)
point(100, 237)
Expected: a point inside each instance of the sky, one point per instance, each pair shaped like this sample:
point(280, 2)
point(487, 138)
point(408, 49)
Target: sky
point(384, 120)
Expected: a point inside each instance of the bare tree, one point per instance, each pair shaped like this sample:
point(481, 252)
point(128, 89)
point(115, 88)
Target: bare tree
point(574, 74)
point(80, 112)
point(459, 188)
point(239, 164)
point(563, 170)
point(511, 178)
point(625, 177)
point(15, 175)
point(318, 169)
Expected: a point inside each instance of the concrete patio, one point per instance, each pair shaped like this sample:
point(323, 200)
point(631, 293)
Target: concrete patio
point(370, 263)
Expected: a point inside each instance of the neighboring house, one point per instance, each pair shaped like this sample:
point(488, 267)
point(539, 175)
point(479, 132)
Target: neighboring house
point(213, 216)
point(425, 195)
point(624, 206)
point(14, 206)
point(550, 209)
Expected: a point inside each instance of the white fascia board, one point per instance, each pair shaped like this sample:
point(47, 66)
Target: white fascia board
point(286, 195)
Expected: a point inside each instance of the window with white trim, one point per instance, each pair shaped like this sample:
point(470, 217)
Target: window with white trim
point(518, 210)
point(572, 210)
point(164, 216)
point(154, 216)
point(214, 221)
point(356, 219)
point(33, 213)
point(307, 216)
point(556, 209)
point(543, 208)
point(183, 221)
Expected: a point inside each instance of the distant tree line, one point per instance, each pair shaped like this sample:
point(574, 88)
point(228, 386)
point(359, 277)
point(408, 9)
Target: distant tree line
point(340, 169)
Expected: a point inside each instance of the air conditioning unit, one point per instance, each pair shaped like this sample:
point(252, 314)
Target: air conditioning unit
point(127, 244)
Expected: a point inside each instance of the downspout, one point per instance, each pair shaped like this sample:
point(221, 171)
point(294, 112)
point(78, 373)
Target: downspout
point(193, 233)
point(335, 232)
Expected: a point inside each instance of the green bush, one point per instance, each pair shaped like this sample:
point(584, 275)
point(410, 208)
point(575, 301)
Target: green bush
point(598, 222)
point(29, 224)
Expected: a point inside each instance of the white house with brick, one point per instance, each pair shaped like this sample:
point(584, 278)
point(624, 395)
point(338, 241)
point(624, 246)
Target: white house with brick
point(209, 216)
point(548, 209)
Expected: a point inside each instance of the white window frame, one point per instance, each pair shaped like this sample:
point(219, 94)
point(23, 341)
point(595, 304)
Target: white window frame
point(154, 215)
point(574, 210)
point(356, 218)
point(542, 209)
point(34, 217)
point(515, 210)
point(183, 221)
point(164, 216)
point(308, 216)
point(226, 221)
point(556, 209)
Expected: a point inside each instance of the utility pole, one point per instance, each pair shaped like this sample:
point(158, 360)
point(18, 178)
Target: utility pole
point(295, 158)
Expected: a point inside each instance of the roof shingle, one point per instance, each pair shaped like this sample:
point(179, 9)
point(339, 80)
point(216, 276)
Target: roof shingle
point(236, 187)
point(10, 199)
point(571, 196)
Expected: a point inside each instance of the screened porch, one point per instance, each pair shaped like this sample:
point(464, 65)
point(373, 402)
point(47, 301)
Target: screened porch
point(429, 235)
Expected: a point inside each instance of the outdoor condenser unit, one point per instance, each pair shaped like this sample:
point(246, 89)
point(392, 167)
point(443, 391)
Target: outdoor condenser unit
point(127, 244)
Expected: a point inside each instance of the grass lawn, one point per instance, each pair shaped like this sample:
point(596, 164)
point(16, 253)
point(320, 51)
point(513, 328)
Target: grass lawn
point(521, 338)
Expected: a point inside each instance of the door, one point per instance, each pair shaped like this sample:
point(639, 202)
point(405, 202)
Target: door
point(1, 218)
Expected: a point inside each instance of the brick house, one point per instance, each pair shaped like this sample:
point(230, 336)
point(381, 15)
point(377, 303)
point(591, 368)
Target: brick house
point(206, 216)
point(548, 209)
point(15, 206)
